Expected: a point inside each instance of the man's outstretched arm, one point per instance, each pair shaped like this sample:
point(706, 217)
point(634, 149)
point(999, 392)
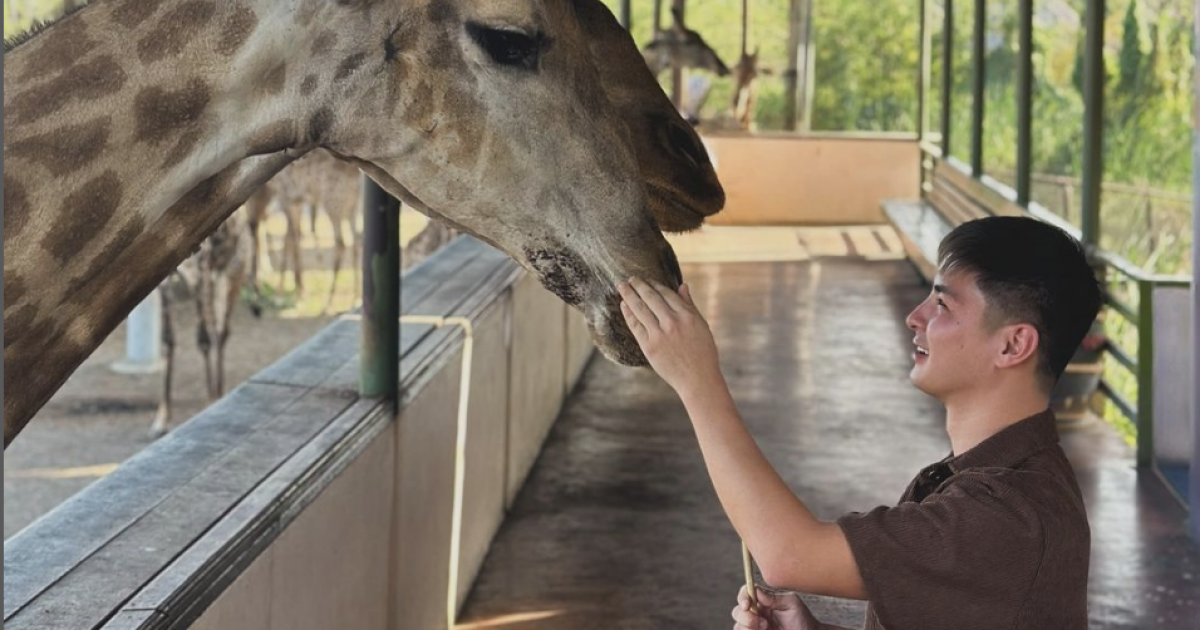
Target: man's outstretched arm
point(794, 549)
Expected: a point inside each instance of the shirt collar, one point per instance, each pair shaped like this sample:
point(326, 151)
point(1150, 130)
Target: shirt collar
point(1012, 445)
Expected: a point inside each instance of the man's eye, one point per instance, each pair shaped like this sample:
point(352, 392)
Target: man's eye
point(508, 48)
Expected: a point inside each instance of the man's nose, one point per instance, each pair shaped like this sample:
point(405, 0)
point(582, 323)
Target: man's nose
point(914, 321)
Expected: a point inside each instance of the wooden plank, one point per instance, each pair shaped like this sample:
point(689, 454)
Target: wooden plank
point(864, 242)
point(430, 274)
point(99, 584)
point(41, 554)
point(312, 363)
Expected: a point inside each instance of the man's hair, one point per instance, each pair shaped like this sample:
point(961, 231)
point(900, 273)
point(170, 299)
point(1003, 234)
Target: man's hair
point(1029, 272)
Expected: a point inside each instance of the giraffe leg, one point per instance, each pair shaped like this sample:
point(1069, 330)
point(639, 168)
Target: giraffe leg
point(162, 418)
point(339, 249)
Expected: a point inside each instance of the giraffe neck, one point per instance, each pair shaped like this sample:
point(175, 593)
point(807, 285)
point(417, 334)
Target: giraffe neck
point(132, 129)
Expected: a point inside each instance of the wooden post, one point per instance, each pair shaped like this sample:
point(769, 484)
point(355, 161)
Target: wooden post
point(379, 367)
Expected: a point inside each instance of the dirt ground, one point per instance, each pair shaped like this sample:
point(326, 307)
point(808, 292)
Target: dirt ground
point(100, 418)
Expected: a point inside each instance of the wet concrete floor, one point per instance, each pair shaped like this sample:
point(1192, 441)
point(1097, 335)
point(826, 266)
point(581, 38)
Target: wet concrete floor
point(618, 526)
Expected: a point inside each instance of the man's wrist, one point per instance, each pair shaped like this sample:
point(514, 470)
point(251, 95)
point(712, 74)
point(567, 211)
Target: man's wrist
point(703, 390)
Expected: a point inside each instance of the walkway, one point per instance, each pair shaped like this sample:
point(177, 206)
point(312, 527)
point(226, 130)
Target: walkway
point(618, 526)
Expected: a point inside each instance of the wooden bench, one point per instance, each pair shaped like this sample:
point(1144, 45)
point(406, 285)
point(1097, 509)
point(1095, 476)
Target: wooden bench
point(952, 197)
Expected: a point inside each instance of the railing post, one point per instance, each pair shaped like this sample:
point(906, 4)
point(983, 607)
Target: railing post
point(1024, 99)
point(379, 373)
point(626, 15)
point(1093, 122)
point(947, 73)
point(977, 82)
point(1194, 500)
point(1145, 374)
point(922, 70)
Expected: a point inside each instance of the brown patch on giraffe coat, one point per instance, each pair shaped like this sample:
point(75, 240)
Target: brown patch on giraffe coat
point(16, 324)
point(85, 81)
point(98, 266)
point(16, 207)
point(319, 125)
point(349, 65)
point(14, 289)
point(175, 30)
point(440, 11)
point(236, 30)
point(67, 149)
point(83, 215)
point(323, 43)
point(275, 78)
point(59, 49)
point(276, 137)
point(133, 12)
point(162, 113)
point(308, 85)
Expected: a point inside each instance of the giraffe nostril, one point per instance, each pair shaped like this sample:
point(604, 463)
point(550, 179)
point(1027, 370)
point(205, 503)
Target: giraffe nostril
point(688, 144)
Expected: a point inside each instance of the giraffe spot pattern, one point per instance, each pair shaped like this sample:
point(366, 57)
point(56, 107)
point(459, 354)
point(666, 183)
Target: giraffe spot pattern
point(100, 265)
point(16, 207)
point(67, 149)
point(14, 289)
point(308, 85)
point(175, 31)
point(59, 49)
point(83, 215)
point(319, 125)
point(162, 113)
point(275, 78)
point(85, 81)
point(349, 65)
point(237, 29)
point(323, 43)
point(131, 13)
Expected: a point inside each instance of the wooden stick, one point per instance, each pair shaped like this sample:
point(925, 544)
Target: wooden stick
point(747, 563)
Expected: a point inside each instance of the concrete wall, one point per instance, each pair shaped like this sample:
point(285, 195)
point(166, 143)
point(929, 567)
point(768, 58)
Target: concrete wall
point(788, 179)
point(374, 549)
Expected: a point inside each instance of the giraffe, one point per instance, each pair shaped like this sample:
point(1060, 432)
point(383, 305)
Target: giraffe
point(681, 47)
point(133, 129)
point(744, 74)
point(214, 276)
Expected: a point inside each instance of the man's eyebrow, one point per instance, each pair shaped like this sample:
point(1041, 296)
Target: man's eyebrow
point(944, 290)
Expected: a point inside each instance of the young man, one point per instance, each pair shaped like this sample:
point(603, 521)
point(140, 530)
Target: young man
point(993, 536)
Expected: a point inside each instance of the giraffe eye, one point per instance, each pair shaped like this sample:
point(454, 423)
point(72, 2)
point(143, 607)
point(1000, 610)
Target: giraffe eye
point(506, 47)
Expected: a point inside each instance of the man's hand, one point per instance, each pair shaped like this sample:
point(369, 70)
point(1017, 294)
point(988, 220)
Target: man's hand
point(782, 610)
point(671, 332)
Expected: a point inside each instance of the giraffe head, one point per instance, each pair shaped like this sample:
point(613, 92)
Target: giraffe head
point(681, 47)
point(680, 180)
point(494, 116)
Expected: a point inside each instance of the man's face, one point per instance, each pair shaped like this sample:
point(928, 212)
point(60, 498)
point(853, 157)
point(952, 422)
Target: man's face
point(954, 347)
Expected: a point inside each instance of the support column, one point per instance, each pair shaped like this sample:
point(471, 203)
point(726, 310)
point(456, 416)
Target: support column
point(947, 73)
point(1024, 99)
point(379, 367)
point(1194, 486)
point(977, 82)
point(1093, 121)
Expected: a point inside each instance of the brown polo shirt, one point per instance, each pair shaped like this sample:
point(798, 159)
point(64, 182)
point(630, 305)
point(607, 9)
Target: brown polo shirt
point(996, 537)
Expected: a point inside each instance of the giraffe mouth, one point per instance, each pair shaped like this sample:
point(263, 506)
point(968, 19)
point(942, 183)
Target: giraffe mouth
point(672, 214)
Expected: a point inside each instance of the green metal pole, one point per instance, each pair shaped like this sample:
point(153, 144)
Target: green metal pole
point(379, 367)
point(1093, 121)
point(1145, 375)
point(1024, 100)
point(626, 15)
point(978, 64)
point(947, 73)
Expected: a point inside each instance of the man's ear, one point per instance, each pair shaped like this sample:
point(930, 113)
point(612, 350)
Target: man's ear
point(1020, 344)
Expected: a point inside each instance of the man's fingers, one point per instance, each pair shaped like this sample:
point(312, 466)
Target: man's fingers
point(746, 620)
point(635, 325)
point(672, 298)
point(640, 310)
point(653, 299)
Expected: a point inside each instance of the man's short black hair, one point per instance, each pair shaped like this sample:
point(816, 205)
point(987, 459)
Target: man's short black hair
point(1031, 272)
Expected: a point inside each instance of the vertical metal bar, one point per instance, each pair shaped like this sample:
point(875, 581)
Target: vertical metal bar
point(626, 14)
point(1195, 472)
point(676, 71)
point(791, 97)
point(1145, 374)
point(947, 73)
point(1093, 121)
point(1024, 99)
point(923, 69)
point(379, 366)
point(810, 67)
point(977, 80)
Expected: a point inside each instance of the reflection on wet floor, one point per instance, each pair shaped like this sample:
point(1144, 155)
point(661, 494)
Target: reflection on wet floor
point(618, 526)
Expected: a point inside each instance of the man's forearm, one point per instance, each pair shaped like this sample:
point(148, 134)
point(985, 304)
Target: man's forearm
point(793, 548)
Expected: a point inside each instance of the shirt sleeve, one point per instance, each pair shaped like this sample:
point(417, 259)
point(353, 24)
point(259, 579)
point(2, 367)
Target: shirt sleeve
point(964, 557)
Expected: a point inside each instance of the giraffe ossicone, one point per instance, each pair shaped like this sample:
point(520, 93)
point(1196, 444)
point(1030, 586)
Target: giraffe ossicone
point(134, 128)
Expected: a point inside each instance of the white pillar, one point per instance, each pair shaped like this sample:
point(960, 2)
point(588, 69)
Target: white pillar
point(143, 338)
